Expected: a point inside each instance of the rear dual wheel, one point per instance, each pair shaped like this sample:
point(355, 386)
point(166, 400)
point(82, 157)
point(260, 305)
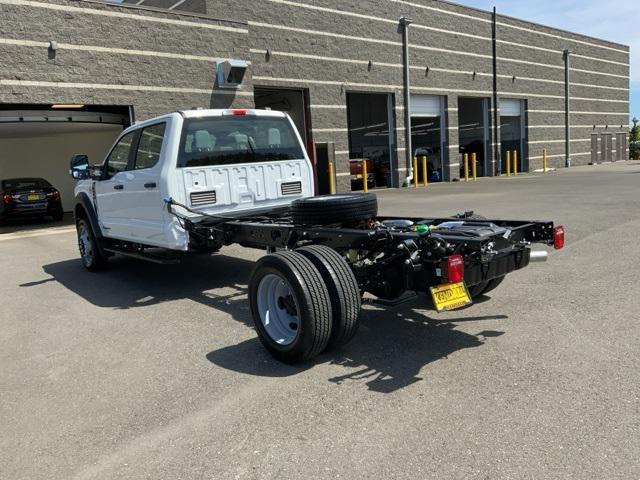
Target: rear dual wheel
point(303, 302)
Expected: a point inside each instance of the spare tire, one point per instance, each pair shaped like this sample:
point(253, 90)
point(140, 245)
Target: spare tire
point(332, 209)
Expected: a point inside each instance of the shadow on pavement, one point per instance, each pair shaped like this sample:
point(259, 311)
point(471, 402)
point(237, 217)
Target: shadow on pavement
point(34, 223)
point(389, 351)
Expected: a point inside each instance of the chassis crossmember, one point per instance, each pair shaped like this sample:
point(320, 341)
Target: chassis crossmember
point(390, 255)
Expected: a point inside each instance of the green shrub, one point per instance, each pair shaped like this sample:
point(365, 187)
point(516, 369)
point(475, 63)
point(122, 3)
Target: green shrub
point(634, 150)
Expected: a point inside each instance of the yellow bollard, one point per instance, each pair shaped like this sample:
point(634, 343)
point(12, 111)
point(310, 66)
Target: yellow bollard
point(332, 184)
point(474, 161)
point(508, 159)
point(515, 163)
point(425, 180)
point(365, 178)
point(415, 172)
point(544, 160)
point(466, 167)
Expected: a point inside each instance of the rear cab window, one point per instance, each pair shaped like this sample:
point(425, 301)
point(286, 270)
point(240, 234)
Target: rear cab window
point(232, 140)
point(149, 146)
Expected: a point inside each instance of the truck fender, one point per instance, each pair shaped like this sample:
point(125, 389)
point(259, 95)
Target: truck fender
point(84, 207)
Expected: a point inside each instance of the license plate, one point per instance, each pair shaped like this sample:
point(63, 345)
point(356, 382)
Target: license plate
point(450, 296)
point(33, 196)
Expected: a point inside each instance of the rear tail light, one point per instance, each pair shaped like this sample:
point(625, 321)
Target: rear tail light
point(455, 269)
point(558, 237)
point(55, 195)
point(6, 198)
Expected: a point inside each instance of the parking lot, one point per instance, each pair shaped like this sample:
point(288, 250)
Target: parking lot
point(150, 371)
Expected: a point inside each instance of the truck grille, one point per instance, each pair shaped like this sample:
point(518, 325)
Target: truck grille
point(203, 198)
point(291, 188)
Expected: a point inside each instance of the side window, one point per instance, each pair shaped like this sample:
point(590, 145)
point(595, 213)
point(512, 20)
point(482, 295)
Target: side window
point(149, 146)
point(118, 159)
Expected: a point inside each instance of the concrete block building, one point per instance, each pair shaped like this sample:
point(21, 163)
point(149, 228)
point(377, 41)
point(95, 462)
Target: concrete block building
point(384, 80)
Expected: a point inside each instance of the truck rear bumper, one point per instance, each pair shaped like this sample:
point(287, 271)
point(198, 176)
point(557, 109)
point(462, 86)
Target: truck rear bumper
point(498, 267)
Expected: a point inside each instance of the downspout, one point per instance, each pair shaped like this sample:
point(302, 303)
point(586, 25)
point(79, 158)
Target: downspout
point(567, 110)
point(496, 117)
point(404, 24)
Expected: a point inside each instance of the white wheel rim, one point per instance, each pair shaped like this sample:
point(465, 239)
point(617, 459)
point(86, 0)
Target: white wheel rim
point(84, 243)
point(278, 309)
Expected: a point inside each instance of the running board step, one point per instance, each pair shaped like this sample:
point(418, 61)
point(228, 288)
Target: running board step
point(148, 257)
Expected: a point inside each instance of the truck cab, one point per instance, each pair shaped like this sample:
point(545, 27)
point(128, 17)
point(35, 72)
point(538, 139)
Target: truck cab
point(218, 162)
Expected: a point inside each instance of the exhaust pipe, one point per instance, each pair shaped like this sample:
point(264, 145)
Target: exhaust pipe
point(539, 256)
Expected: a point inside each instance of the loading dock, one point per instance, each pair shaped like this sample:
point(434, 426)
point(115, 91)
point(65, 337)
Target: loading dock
point(428, 134)
point(473, 131)
point(371, 134)
point(39, 140)
point(513, 132)
point(291, 101)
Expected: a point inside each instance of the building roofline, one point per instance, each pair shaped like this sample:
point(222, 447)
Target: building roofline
point(509, 17)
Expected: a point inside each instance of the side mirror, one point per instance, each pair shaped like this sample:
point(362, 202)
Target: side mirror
point(79, 166)
point(95, 172)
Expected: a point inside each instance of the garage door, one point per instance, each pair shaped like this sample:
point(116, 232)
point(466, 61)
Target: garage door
point(38, 141)
point(426, 105)
point(510, 107)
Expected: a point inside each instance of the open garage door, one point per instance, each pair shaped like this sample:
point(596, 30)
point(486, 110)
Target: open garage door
point(38, 140)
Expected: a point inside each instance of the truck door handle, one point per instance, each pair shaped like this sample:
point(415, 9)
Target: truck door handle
point(118, 187)
point(150, 185)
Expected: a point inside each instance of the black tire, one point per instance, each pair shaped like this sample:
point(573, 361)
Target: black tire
point(477, 290)
point(93, 260)
point(333, 209)
point(493, 284)
point(343, 292)
point(311, 302)
point(485, 287)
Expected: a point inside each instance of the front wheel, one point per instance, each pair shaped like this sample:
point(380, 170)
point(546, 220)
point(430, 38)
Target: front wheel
point(290, 306)
point(90, 254)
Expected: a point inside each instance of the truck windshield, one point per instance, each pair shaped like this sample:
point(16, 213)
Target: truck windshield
point(237, 139)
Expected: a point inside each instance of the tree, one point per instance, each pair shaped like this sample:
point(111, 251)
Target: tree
point(634, 140)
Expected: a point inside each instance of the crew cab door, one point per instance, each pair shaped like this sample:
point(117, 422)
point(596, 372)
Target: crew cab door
point(111, 202)
point(144, 209)
point(129, 197)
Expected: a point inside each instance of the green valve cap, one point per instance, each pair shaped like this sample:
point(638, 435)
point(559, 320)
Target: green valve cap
point(422, 229)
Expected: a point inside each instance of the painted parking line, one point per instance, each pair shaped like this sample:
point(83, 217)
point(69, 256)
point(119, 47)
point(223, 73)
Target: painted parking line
point(36, 233)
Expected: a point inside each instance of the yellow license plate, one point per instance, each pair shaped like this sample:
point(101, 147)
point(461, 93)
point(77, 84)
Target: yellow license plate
point(450, 296)
point(33, 196)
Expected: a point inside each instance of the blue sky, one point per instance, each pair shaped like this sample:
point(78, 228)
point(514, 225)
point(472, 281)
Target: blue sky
point(616, 20)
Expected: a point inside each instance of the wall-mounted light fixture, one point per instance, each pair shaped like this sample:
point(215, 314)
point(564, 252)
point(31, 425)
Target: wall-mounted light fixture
point(66, 106)
point(267, 55)
point(230, 73)
point(513, 79)
point(53, 45)
point(370, 65)
point(474, 74)
point(426, 72)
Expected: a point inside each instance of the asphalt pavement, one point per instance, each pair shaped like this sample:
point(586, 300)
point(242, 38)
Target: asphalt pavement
point(155, 372)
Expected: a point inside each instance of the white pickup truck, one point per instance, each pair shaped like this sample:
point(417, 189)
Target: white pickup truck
point(194, 181)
